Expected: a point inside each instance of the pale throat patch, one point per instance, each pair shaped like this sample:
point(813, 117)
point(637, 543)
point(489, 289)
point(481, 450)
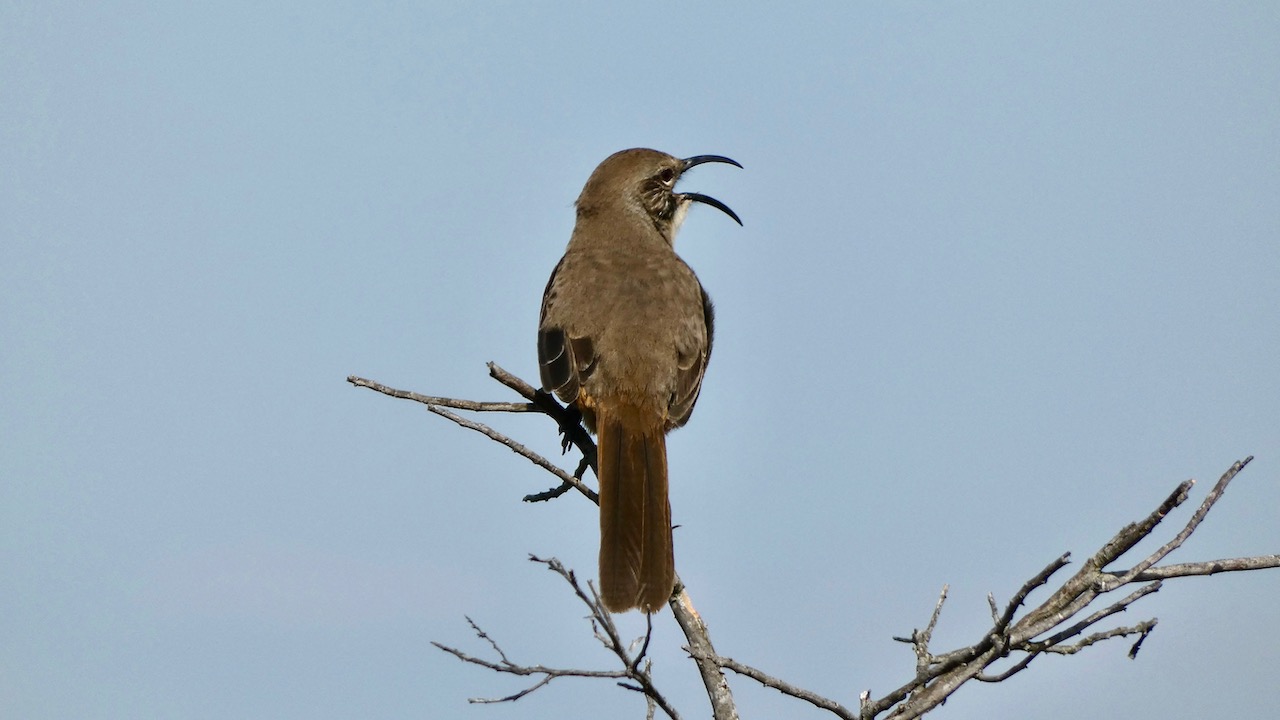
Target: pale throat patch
point(682, 209)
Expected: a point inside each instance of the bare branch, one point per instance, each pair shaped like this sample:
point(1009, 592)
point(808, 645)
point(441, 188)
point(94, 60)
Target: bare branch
point(641, 679)
point(1209, 500)
point(560, 489)
point(937, 676)
point(444, 401)
point(1132, 533)
point(568, 419)
point(920, 640)
point(787, 688)
point(519, 449)
point(601, 618)
point(1210, 567)
point(506, 666)
point(1028, 587)
point(1014, 670)
point(1057, 625)
point(703, 653)
point(1137, 644)
point(1142, 628)
point(1118, 606)
point(485, 636)
point(540, 402)
point(525, 390)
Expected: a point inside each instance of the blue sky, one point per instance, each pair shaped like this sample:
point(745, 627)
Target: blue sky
point(1009, 273)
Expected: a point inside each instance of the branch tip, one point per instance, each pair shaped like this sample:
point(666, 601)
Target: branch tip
point(937, 676)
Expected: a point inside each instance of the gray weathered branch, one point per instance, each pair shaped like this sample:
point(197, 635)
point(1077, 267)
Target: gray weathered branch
point(1058, 625)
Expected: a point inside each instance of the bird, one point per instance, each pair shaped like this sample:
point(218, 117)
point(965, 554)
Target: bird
point(624, 336)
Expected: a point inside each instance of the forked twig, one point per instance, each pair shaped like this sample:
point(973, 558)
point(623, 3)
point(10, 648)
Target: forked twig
point(1057, 625)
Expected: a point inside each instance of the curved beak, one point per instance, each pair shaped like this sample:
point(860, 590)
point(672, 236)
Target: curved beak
point(707, 199)
point(699, 159)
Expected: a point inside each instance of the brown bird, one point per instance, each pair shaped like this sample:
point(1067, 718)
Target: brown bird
point(624, 336)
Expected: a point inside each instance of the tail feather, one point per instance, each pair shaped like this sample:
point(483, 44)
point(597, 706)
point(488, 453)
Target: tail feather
point(637, 565)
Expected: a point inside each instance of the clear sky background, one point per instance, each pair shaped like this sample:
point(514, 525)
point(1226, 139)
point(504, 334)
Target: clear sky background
point(1009, 273)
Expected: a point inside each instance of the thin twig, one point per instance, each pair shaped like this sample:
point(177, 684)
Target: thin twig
point(560, 489)
point(601, 619)
point(946, 673)
point(510, 668)
point(920, 639)
point(569, 420)
point(1013, 670)
point(518, 449)
point(787, 688)
point(1209, 567)
point(444, 401)
point(937, 676)
point(1143, 627)
point(1028, 587)
point(1218, 489)
point(1118, 606)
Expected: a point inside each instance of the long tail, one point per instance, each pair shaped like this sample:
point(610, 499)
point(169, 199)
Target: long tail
point(637, 566)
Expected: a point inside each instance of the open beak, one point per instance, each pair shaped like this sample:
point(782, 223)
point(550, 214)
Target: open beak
point(707, 199)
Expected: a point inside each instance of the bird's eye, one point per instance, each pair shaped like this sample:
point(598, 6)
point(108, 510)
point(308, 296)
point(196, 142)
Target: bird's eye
point(667, 176)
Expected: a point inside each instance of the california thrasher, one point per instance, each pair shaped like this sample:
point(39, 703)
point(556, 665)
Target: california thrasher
point(624, 336)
